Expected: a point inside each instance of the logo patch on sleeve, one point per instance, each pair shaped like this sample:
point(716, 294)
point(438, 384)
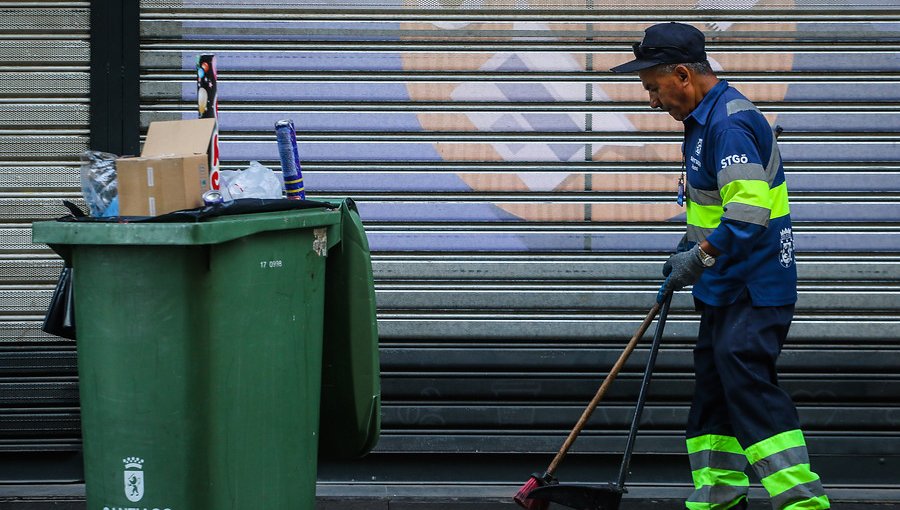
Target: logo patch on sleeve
point(786, 257)
point(734, 159)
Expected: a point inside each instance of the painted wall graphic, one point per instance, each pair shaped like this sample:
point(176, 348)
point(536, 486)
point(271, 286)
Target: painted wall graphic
point(527, 115)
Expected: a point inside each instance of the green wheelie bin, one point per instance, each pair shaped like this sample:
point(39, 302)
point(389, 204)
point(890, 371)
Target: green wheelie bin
point(200, 357)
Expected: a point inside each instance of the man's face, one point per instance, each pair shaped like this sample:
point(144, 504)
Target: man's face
point(669, 91)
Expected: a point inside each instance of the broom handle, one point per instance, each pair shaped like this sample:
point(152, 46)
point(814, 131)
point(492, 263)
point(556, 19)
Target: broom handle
point(602, 390)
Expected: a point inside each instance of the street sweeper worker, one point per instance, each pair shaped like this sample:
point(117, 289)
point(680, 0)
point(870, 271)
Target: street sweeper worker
point(738, 255)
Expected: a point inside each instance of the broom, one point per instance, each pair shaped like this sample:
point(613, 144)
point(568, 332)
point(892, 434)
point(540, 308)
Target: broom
point(548, 478)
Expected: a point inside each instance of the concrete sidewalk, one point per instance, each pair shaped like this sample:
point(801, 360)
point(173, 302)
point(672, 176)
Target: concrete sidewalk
point(371, 496)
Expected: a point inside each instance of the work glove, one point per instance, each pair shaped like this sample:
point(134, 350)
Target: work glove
point(682, 269)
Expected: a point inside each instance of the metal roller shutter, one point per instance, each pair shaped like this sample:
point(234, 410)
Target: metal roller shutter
point(44, 106)
point(519, 200)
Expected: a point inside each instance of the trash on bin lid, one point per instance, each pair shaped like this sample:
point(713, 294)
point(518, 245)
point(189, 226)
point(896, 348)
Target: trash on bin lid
point(239, 206)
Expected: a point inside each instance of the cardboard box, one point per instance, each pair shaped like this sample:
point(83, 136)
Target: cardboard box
point(172, 172)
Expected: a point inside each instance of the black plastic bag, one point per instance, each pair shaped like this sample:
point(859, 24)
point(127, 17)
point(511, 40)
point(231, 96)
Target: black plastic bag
point(60, 319)
point(239, 206)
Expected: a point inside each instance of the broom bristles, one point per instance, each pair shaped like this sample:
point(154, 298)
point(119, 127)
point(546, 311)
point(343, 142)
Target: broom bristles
point(521, 498)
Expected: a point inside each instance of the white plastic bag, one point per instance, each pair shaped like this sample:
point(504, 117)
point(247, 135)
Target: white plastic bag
point(99, 185)
point(256, 181)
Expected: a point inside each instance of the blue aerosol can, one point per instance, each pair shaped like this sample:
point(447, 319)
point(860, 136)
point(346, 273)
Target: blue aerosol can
point(290, 159)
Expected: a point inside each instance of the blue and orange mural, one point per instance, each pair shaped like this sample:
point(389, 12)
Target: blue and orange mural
point(566, 142)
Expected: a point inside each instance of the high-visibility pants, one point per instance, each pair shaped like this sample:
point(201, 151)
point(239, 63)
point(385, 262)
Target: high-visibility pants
point(740, 415)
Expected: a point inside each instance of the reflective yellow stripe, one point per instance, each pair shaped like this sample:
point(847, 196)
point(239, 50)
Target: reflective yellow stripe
point(789, 478)
point(747, 192)
point(779, 196)
point(709, 216)
point(817, 503)
point(716, 476)
point(713, 476)
point(716, 497)
point(775, 444)
point(694, 505)
point(714, 442)
point(704, 216)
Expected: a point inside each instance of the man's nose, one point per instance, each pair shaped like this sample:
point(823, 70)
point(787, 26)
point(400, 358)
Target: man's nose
point(654, 102)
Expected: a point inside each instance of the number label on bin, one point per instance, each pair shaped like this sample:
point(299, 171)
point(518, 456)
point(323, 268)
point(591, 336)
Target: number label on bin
point(269, 264)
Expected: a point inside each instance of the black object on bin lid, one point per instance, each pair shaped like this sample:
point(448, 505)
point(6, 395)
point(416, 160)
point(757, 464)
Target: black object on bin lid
point(239, 206)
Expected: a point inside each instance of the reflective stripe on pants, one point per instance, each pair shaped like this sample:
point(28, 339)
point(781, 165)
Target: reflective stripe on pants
point(737, 401)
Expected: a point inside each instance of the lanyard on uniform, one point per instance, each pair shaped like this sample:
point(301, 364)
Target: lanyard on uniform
point(680, 199)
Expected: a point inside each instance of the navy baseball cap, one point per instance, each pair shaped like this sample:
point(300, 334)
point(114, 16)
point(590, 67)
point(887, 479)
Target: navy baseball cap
point(666, 43)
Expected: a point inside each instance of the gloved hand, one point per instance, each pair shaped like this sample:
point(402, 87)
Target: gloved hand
point(682, 269)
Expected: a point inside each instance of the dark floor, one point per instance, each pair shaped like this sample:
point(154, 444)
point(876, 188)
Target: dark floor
point(370, 496)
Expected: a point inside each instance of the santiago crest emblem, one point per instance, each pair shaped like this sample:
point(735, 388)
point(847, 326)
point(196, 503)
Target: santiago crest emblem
point(786, 257)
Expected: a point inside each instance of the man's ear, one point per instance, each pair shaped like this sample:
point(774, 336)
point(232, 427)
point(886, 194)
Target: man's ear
point(683, 74)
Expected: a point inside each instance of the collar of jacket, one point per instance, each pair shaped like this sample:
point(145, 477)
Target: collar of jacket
point(702, 111)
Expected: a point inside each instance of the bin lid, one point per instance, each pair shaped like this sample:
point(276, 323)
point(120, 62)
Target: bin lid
point(350, 411)
point(211, 231)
